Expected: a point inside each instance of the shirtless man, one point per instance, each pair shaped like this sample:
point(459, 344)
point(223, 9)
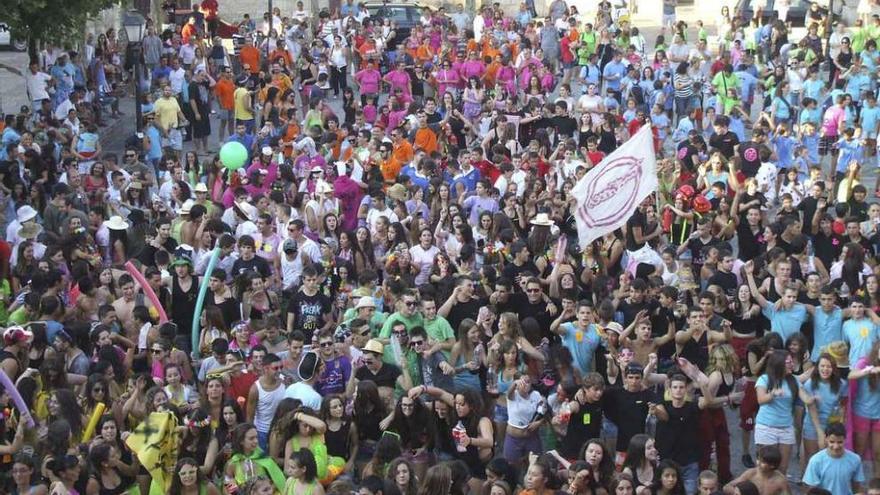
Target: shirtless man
point(765, 476)
point(125, 304)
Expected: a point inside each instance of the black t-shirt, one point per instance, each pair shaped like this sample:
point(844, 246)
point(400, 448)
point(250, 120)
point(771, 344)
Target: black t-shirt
point(725, 143)
point(827, 247)
point(630, 310)
point(751, 244)
point(696, 247)
point(686, 152)
point(677, 438)
point(858, 209)
point(512, 271)
point(565, 126)
point(462, 310)
point(148, 255)
point(255, 264)
point(538, 311)
point(628, 410)
point(308, 312)
point(726, 281)
point(584, 425)
point(638, 219)
point(750, 157)
point(386, 377)
point(808, 206)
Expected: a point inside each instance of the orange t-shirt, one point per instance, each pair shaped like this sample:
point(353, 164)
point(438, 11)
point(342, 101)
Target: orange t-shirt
point(251, 56)
point(426, 140)
point(284, 54)
point(224, 90)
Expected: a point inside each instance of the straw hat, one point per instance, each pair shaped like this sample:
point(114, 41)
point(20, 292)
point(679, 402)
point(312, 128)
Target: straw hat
point(397, 192)
point(30, 230)
point(135, 184)
point(323, 187)
point(186, 207)
point(839, 350)
point(116, 223)
point(201, 188)
point(375, 346)
point(365, 302)
point(542, 219)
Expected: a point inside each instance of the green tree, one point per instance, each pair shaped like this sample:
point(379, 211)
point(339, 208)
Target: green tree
point(49, 20)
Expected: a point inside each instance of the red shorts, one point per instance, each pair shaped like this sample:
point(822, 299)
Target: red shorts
point(865, 425)
point(748, 409)
point(740, 347)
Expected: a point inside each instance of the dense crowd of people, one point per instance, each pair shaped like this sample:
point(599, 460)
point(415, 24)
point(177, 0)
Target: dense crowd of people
point(389, 296)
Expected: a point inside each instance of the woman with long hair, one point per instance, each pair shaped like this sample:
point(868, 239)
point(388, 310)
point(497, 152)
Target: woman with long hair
point(437, 481)
point(341, 435)
point(505, 359)
point(302, 472)
point(248, 460)
point(670, 481)
point(414, 423)
point(105, 477)
point(189, 480)
point(776, 390)
point(467, 356)
point(641, 461)
point(721, 371)
point(220, 448)
point(25, 479)
point(830, 390)
point(865, 402)
point(369, 409)
point(403, 475)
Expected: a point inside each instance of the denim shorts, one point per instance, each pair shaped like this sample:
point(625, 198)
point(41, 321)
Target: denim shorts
point(501, 413)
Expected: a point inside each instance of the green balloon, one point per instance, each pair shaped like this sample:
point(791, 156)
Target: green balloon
point(233, 155)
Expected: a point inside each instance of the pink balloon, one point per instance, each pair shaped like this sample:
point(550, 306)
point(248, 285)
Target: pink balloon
point(148, 291)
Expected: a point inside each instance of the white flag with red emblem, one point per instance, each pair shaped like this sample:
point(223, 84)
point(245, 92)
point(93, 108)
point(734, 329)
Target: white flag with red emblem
point(609, 193)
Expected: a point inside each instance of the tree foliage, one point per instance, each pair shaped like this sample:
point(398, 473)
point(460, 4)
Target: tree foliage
point(49, 20)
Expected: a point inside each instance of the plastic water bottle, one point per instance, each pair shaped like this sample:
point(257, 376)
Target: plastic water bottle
point(458, 434)
point(491, 381)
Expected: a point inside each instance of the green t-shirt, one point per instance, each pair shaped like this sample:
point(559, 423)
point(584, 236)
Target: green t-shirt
point(19, 316)
point(588, 41)
point(440, 330)
point(413, 321)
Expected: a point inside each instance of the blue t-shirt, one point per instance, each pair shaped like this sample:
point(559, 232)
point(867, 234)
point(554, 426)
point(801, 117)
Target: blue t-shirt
point(826, 402)
point(813, 89)
point(786, 322)
point(582, 345)
point(614, 69)
point(777, 413)
point(811, 115)
point(869, 118)
point(860, 336)
point(784, 150)
point(661, 122)
point(811, 142)
point(827, 328)
point(849, 151)
point(834, 474)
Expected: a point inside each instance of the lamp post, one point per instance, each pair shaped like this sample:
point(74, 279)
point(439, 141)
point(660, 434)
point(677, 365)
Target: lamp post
point(134, 24)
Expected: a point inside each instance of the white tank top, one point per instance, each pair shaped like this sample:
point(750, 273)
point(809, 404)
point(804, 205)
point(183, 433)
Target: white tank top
point(267, 402)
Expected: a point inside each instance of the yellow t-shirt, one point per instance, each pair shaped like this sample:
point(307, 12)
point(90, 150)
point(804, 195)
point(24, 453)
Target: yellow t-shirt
point(241, 96)
point(167, 111)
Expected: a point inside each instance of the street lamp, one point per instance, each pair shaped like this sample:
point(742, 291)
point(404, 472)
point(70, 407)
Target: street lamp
point(134, 24)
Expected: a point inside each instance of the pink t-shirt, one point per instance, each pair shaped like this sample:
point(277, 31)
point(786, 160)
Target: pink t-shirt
point(832, 119)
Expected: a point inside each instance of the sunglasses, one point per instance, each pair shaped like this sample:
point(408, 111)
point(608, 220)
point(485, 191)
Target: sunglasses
point(325, 344)
point(364, 333)
point(98, 389)
point(411, 304)
point(533, 291)
point(155, 351)
point(416, 343)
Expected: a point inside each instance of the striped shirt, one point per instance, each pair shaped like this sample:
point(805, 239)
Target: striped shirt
point(687, 86)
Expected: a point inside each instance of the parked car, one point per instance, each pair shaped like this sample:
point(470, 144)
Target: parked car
point(796, 13)
point(405, 16)
point(6, 40)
